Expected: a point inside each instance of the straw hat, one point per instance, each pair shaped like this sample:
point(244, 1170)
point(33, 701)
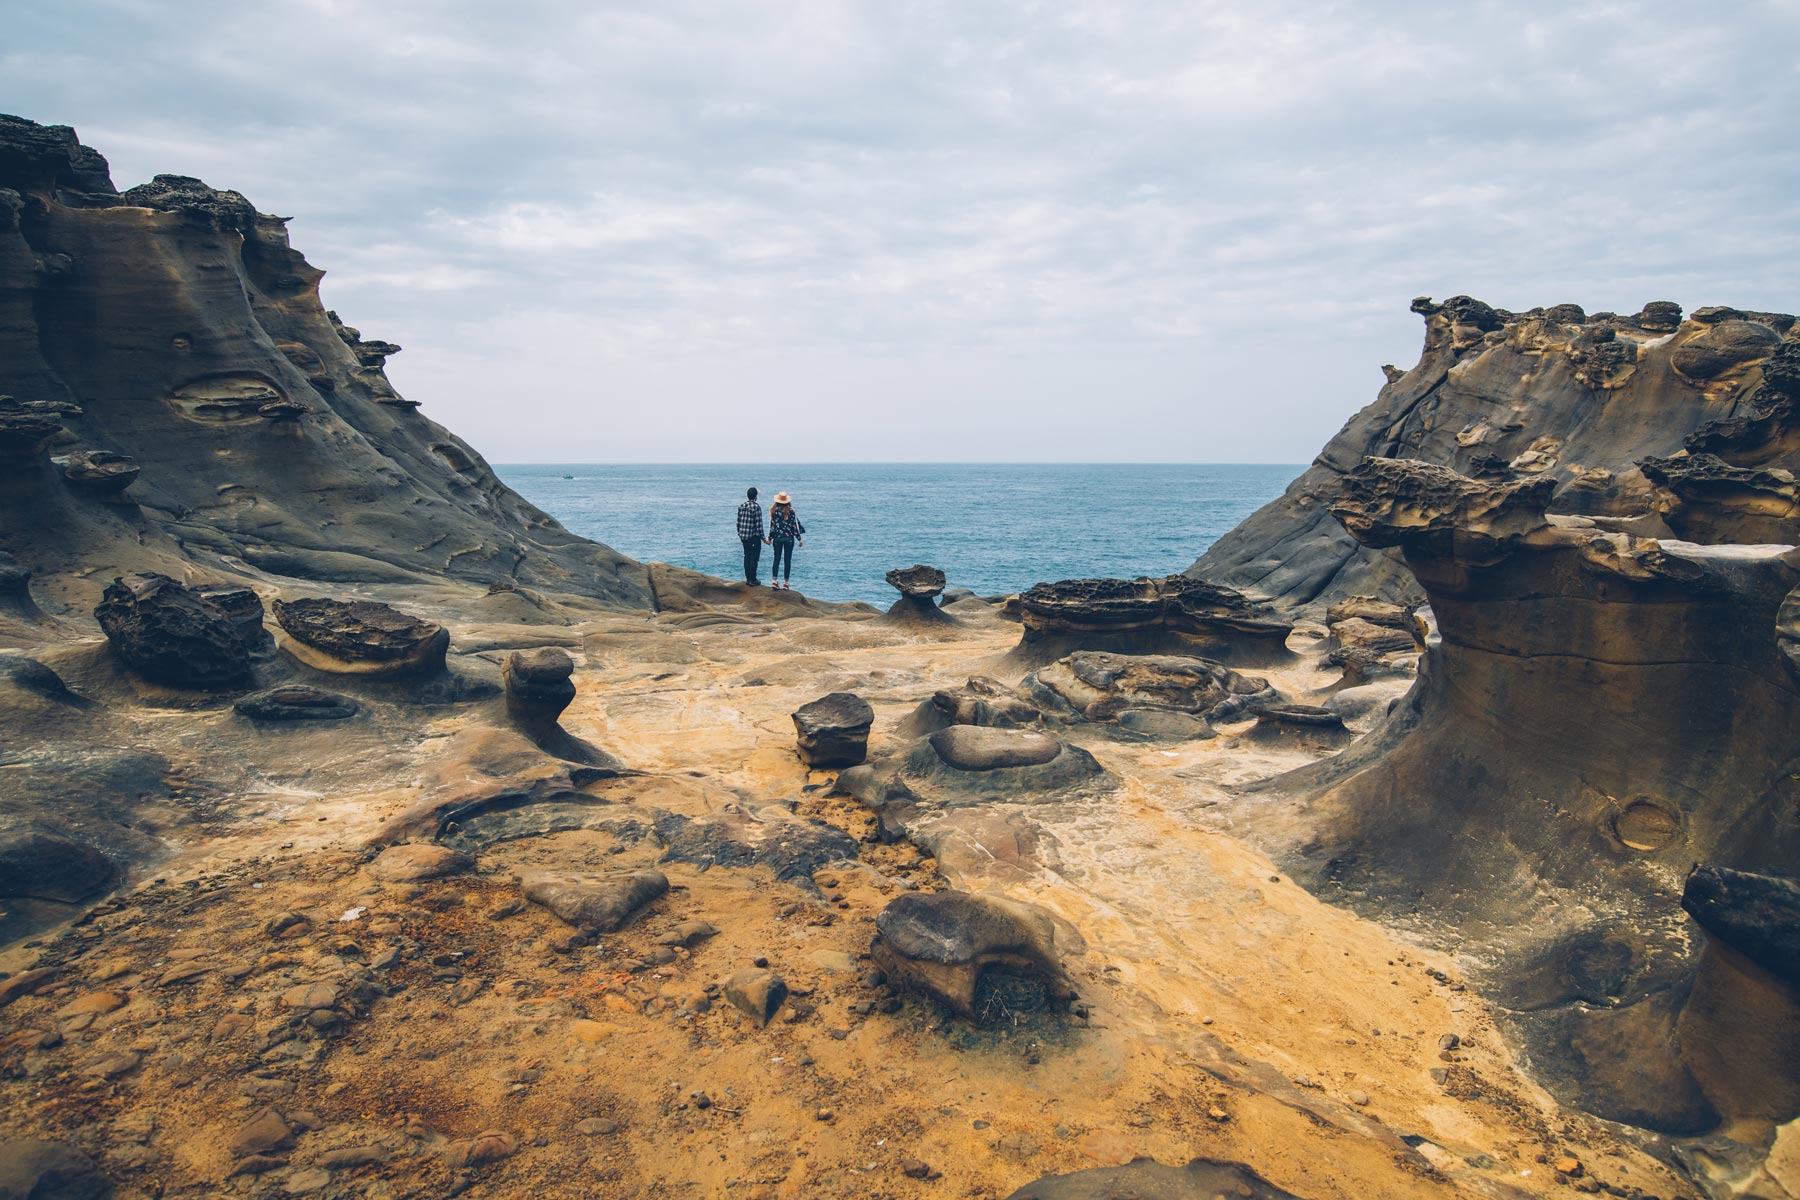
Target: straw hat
point(781, 497)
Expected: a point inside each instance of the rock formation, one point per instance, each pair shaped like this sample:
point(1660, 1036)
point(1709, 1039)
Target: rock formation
point(1590, 407)
point(1176, 615)
point(833, 731)
point(965, 950)
point(172, 324)
point(1162, 694)
point(361, 638)
point(919, 588)
point(1597, 711)
point(980, 701)
point(175, 635)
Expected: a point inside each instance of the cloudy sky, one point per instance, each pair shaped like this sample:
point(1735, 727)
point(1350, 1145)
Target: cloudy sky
point(887, 230)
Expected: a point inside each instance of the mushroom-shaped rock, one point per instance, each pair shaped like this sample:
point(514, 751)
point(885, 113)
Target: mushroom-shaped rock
point(1706, 500)
point(26, 427)
point(833, 731)
point(538, 685)
point(980, 701)
point(172, 634)
point(1172, 615)
point(1756, 915)
point(598, 902)
point(984, 956)
point(361, 637)
point(414, 861)
point(918, 586)
point(44, 864)
point(756, 993)
point(100, 472)
point(1098, 686)
point(296, 702)
point(1147, 1179)
point(35, 1169)
point(1299, 726)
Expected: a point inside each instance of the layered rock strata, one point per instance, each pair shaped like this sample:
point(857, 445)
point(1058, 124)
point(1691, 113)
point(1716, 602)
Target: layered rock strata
point(1590, 407)
point(1176, 615)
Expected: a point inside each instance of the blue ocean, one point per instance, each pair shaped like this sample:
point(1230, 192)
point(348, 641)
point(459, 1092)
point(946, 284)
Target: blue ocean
point(992, 528)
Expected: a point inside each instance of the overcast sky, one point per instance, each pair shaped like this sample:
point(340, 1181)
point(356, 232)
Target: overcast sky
point(1146, 231)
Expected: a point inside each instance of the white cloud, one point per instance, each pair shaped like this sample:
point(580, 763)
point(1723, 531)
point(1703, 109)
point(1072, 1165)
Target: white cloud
point(1160, 230)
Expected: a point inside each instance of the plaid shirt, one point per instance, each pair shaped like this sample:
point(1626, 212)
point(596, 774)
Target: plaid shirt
point(750, 520)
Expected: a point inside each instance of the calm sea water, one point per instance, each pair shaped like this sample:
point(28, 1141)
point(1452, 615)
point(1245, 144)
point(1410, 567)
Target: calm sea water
point(992, 528)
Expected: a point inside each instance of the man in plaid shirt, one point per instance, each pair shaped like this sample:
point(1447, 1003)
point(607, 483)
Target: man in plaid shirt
point(750, 532)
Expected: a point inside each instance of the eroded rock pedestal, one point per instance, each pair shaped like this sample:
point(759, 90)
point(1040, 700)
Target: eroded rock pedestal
point(1599, 711)
point(1176, 615)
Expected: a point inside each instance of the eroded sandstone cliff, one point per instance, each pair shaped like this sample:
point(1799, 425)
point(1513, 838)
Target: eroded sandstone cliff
point(180, 397)
point(1602, 409)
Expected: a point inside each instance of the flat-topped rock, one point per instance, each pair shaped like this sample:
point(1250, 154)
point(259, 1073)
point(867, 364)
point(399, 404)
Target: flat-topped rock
point(602, 903)
point(833, 731)
point(978, 748)
point(963, 950)
point(1171, 615)
point(360, 637)
point(173, 635)
point(26, 427)
point(980, 701)
point(918, 586)
point(100, 472)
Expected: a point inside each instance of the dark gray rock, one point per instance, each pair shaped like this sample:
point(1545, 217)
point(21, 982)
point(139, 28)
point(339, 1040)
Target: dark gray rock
point(296, 702)
point(33, 676)
point(981, 701)
point(538, 685)
point(35, 1169)
point(757, 993)
point(361, 637)
point(1173, 615)
point(919, 586)
point(172, 635)
point(1756, 915)
point(42, 863)
point(791, 849)
point(833, 731)
point(100, 472)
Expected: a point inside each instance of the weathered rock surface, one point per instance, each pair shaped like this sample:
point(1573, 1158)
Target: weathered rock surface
point(538, 686)
point(1299, 726)
point(833, 731)
point(756, 993)
point(174, 324)
point(919, 587)
point(1574, 402)
point(361, 637)
point(100, 472)
point(1176, 615)
point(1099, 686)
point(174, 635)
point(973, 953)
point(980, 701)
point(598, 902)
point(1705, 499)
point(414, 861)
point(1147, 1179)
point(296, 702)
point(1758, 915)
point(791, 849)
point(1594, 708)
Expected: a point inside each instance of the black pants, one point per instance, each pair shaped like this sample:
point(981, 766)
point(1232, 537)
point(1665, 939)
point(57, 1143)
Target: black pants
point(784, 553)
point(752, 556)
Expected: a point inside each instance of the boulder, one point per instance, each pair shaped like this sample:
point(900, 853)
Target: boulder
point(980, 701)
point(28, 674)
point(602, 903)
point(361, 637)
point(538, 686)
point(965, 765)
point(919, 586)
point(414, 861)
point(833, 731)
point(172, 634)
point(1757, 915)
point(984, 956)
point(756, 993)
point(36, 1169)
point(975, 748)
point(296, 702)
point(1147, 1179)
point(1172, 615)
point(44, 864)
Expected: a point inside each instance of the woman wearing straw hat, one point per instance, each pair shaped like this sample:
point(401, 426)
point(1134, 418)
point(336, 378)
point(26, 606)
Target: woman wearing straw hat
point(785, 532)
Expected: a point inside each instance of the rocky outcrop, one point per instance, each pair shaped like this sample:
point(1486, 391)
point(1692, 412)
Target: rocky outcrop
point(1705, 499)
point(172, 327)
point(601, 903)
point(1097, 686)
point(175, 635)
point(1176, 615)
point(833, 731)
point(1571, 401)
point(1756, 915)
point(1596, 711)
point(296, 702)
point(980, 701)
point(361, 637)
point(985, 957)
point(919, 587)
